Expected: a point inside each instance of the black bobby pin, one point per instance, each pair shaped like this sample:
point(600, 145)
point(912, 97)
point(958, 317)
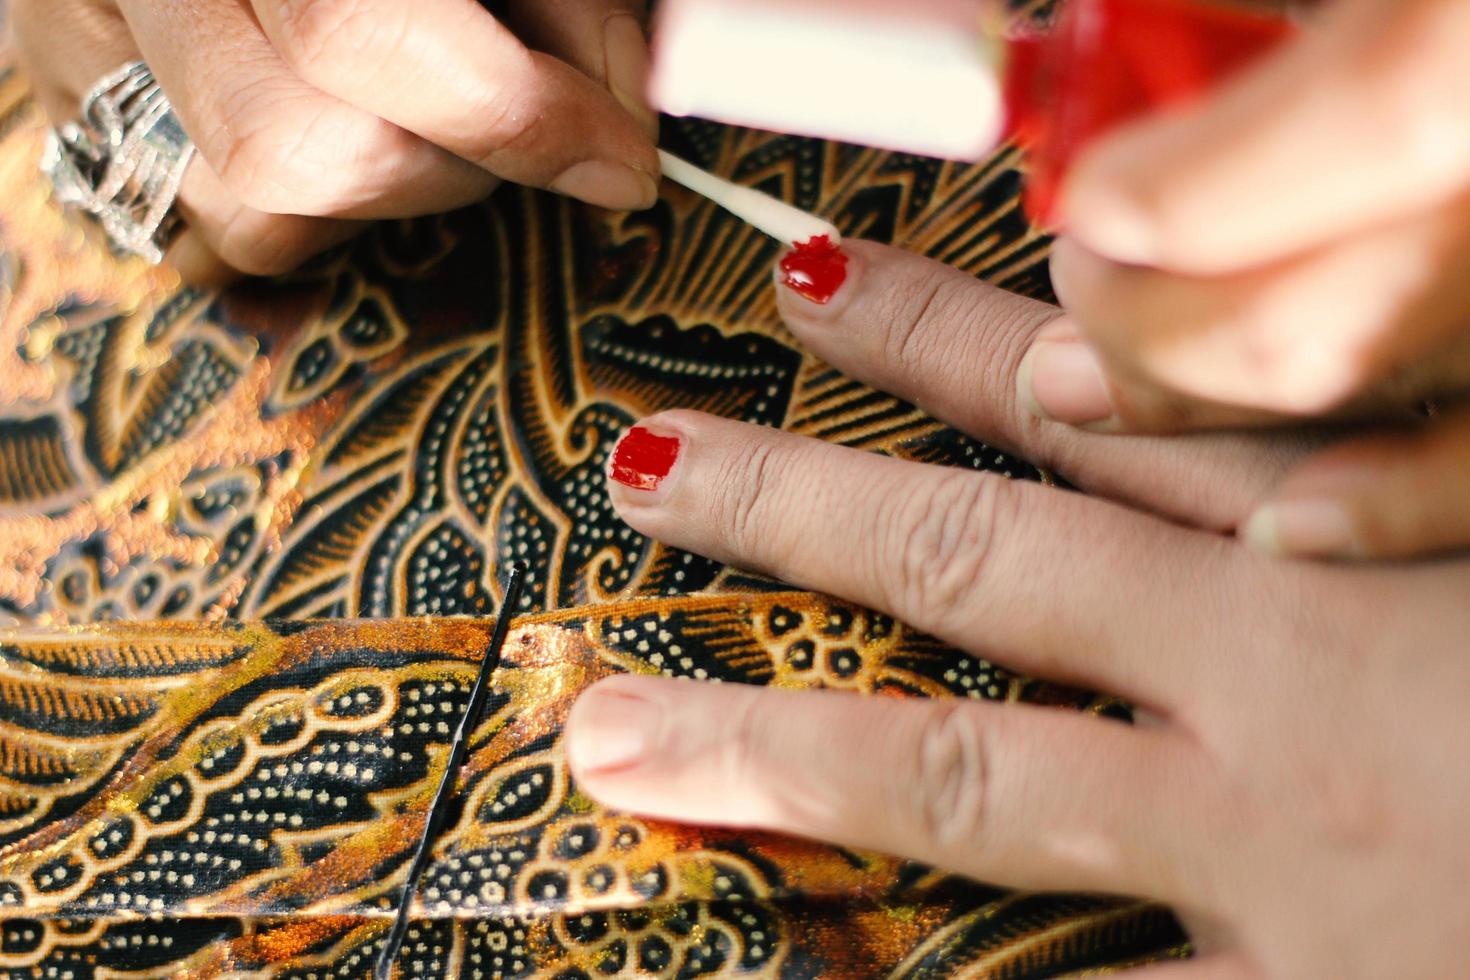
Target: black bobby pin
point(439, 810)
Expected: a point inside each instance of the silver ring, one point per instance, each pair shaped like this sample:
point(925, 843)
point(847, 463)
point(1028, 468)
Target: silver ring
point(124, 162)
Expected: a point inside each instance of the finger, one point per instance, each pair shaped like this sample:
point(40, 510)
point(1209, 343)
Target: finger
point(94, 34)
point(953, 345)
point(222, 231)
point(1307, 337)
point(1023, 796)
point(224, 237)
point(1397, 495)
point(604, 40)
point(448, 71)
point(279, 145)
point(1049, 582)
point(1357, 122)
point(198, 264)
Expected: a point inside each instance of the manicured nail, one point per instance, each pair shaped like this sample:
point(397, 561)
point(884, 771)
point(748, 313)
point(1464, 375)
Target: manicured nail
point(607, 185)
point(642, 458)
point(611, 730)
point(1063, 381)
point(1317, 528)
point(625, 57)
point(815, 269)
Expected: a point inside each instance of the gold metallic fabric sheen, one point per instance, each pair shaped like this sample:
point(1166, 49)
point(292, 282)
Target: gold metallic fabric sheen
point(248, 540)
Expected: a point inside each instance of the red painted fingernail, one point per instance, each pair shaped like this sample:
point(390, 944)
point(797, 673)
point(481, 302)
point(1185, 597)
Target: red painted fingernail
point(642, 459)
point(815, 269)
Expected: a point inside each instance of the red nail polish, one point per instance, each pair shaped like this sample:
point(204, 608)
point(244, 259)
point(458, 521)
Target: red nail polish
point(815, 269)
point(642, 459)
point(1107, 62)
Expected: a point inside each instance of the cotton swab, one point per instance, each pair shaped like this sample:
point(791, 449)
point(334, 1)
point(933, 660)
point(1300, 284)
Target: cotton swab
point(768, 214)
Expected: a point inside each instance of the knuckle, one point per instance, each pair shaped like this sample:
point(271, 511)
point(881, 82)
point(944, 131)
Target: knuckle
point(252, 153)
point(949, 799)
point(917, 328)
point(943, 329)
point(946, 542)
point(295, 155)
point(739, 752)
point(510, 121)
point(744, 769)
point(746, 500)
point(331, 42)
point(743, 765)
point(327, 39)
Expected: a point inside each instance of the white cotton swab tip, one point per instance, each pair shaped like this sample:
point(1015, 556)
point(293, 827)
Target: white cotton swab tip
point(775, 217)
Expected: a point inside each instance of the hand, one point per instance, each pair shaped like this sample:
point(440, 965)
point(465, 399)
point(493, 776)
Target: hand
point(1296, 245)
point(312, 116)
point(1298, 790)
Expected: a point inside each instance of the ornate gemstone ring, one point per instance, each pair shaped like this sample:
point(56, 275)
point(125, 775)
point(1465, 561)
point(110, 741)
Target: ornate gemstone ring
point(124, 161)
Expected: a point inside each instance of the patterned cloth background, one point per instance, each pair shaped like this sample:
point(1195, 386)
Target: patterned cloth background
point(202, 784)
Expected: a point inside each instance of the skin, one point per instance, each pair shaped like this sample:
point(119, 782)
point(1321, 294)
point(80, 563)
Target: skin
point(1298, 793)
point(314, 116)
point(1298, 790)
point(1192, 305)
point(1296, 245)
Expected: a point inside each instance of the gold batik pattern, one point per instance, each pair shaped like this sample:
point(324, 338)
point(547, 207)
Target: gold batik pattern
point(227, 792)
point(286, 506)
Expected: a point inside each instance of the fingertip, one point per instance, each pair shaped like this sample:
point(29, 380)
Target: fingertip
point(1303, 528)
point(197, 265)
point(818, 289)
point(643, 464)
point(614, 725)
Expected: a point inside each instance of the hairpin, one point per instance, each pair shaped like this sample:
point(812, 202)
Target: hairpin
point(458, 747)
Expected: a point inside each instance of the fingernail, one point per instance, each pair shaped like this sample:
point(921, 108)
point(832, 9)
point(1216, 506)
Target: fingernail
point(625, 58)
point(1319, 528)
point(612, 730)
point(607, 185)
point(814, 269)
point(1063, 381)
point(642, 459)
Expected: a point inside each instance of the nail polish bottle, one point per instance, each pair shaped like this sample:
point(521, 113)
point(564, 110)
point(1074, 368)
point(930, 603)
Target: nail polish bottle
point(935, 77)
point(1106, 62)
